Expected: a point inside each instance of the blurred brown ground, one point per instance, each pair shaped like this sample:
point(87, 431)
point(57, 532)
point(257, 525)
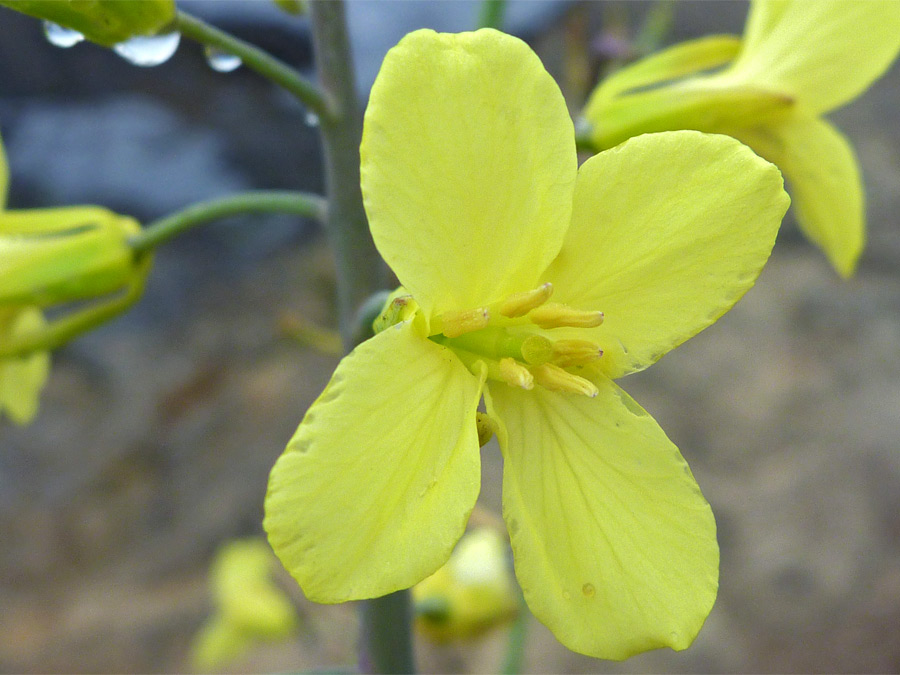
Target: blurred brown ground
point(153, 446)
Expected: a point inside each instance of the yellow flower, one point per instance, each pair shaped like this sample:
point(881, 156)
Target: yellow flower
point(798, 60)
point(474, 198)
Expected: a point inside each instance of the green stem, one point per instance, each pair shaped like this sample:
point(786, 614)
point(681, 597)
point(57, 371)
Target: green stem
point(261, 201)
point(357, 263)
point(491, 14)
point(515, 648)
point(386, 639)
point(257, 60)
point(63, 330)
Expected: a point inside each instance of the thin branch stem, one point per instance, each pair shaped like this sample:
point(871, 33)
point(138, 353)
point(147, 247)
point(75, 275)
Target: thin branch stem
point(256, 59)
point(257, 201)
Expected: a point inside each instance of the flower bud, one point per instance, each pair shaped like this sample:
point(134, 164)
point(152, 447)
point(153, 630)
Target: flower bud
point(50, 256)
point(106, 22)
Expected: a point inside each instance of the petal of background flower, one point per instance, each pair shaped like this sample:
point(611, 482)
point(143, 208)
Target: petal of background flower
point(825, 53)
point(468, 167)
point(22, 379)
point(668, 231)
point(377, 484)
point(825, 182)
point(614, 544)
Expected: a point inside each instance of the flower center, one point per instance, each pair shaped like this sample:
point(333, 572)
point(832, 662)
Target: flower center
point(513, 339)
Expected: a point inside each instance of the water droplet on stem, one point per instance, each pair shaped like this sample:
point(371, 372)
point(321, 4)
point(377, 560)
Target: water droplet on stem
point(149, 50)
point(221, 61)
point(60, 36)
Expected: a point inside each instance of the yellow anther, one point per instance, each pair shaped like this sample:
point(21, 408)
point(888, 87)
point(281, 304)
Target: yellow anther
point(485, 426)
point(454, 324)
point(519, 304)
point(575, 352)
point(516, 374)
point(536, 350)
point(555, 378)
point(555, 315)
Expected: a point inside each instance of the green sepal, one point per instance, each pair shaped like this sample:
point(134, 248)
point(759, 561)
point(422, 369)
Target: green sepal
point(686, 58)
point(106, 22)
point(52, 256)
point(690, 105)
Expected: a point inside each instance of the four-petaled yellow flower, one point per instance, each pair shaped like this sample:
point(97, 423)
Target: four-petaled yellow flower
point(474, 198)
point(797, 61)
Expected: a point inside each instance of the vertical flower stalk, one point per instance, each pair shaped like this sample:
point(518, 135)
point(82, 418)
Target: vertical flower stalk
point(386, 643)
point(357, 262)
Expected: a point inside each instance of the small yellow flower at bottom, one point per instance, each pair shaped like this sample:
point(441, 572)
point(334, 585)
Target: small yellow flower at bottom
point(250, 607)
point(472, 593)
point(475, 199)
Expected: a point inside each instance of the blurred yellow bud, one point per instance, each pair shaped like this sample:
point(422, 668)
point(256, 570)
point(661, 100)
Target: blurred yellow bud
point(106, 22)
point(472, 593)
point(250, 607)
point(50, 256)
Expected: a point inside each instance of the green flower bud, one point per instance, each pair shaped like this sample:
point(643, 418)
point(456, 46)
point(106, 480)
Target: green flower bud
point(50, 256)
point(106, 22)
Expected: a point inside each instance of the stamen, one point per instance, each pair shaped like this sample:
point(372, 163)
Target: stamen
point(519, 304)
point(567, 353)
point(555, 378)
point(454, 324)
point(515, 374)
point(536, 349)
point(556, 315)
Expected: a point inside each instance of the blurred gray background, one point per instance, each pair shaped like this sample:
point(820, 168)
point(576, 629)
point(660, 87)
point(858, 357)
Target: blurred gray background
point(157, 432)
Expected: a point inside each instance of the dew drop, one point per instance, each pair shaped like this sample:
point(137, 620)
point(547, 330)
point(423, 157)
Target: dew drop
point(60, 36)
point(312, 119)
point(588, 590)
point(149, 50)
point(221, 61)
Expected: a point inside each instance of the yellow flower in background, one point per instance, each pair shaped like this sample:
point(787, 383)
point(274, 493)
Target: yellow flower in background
point(475, 200)
point(51, 257)
point(798, 60)
point(249, 607)
point(471, 593)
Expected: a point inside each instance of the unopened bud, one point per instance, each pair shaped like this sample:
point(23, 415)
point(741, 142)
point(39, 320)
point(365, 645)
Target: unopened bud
point(50, 256)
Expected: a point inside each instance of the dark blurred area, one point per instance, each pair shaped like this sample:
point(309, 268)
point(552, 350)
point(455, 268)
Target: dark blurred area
point(157, 432)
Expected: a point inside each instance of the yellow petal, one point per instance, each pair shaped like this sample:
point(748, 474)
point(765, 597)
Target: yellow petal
point(668, 232)
point(376, 486)
point(22, 379)
point(614, 545)
point(468, 167)
point(825, 183)
point(824, 53)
